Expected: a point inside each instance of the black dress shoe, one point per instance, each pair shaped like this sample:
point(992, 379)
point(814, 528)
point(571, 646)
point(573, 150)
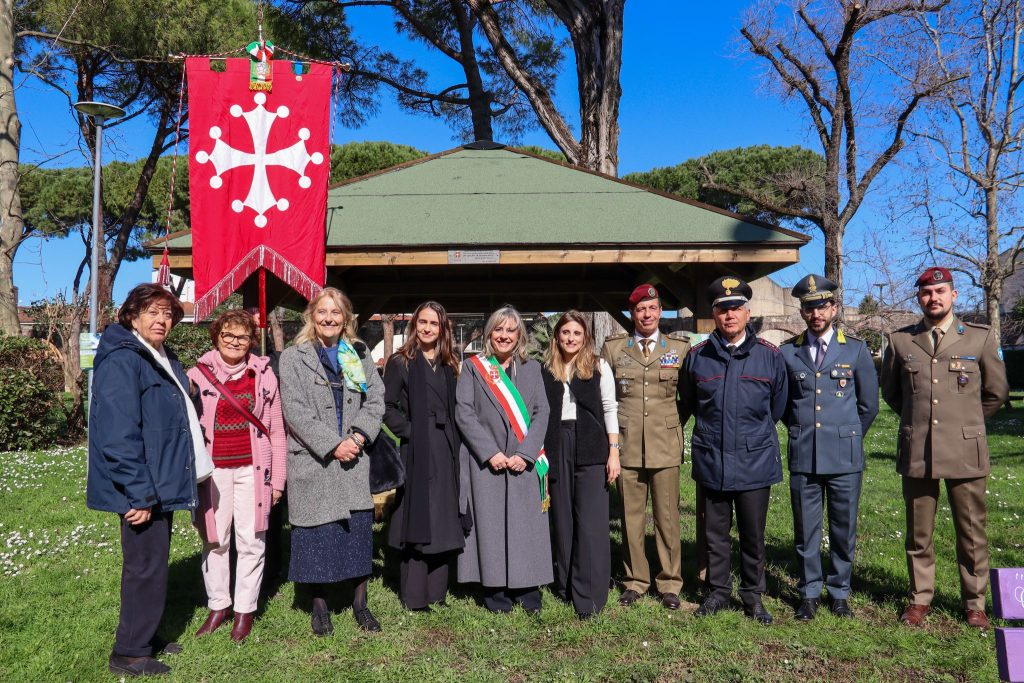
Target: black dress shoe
point(670, 601)
point(758, 613)
point(841, 608)
point(629, 597)
point(366, 620)
point(807, 609)
point(164, 647)
point(321, 622)
point(137, 666)
point(710, 606)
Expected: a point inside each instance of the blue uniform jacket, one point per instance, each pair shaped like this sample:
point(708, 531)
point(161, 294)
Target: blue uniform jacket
point(140, 449)
point(736, 401)
point(831, 409)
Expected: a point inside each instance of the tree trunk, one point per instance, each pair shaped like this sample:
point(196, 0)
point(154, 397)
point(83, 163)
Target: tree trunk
point(11, 226)
point(834, 230)
point(276, 330)
point(479, 98)
point(387, 321)
point(597, 44)
point(602, 328)
point(992, 275)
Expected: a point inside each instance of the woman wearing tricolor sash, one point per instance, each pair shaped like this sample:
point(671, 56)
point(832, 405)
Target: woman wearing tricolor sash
point(502, 413)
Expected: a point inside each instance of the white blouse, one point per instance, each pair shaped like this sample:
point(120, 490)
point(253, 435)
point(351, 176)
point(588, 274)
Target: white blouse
point(608, 402)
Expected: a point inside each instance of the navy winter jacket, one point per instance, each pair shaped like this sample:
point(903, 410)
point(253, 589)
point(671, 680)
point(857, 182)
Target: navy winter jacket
point(737, 399)
point(140, 450)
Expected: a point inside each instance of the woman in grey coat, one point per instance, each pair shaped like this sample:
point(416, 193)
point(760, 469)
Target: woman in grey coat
point(508, 549)
point(333, 402)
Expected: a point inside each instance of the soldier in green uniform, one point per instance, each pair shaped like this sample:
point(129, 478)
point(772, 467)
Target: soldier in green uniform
point(646, 367)
point(944, 377)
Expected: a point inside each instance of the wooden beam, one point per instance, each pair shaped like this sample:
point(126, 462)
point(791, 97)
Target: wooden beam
point(761, 255)
point(608, 305)
point(540, 256)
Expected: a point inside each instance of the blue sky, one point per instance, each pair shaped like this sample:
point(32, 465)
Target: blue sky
point(687, 90)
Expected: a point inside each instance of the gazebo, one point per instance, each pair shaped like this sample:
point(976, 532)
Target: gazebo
point(482, 225)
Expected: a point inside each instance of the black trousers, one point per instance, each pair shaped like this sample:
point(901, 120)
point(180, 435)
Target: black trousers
point(580, 542)
point(144, 551)
point(751, 516)
point(502, 599)
point(423, 579)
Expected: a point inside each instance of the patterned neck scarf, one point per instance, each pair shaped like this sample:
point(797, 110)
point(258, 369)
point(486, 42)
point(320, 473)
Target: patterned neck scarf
point(351, 366)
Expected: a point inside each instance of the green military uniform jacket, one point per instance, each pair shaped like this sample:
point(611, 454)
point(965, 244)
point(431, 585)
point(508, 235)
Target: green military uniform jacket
point(943, 398)
point(649, 428)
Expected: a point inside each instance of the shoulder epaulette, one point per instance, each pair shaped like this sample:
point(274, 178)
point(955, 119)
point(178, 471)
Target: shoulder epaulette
point(679, 336)
point(765, 342)
point(909, 329)
point(698, 345)
point(852, 336)
point(980, 326)
point(791, 340)
point(616, 336)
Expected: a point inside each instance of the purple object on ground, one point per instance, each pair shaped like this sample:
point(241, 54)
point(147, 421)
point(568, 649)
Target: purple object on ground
point(1010, 654)
point(1007, 593)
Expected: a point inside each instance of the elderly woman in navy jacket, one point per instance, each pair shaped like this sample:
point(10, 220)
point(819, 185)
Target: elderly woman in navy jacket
point(143, 436)
point(736, 386)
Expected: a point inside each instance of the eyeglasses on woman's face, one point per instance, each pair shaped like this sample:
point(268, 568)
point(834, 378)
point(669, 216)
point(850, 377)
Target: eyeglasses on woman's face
point(241, 339)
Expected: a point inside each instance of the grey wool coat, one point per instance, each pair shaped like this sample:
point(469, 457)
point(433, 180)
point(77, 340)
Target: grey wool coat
point(509, 545)
point(320, 488)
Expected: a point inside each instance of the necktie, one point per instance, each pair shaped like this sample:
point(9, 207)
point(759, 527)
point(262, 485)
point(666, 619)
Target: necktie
point(731, 348)
point(936, 339)
point(820, 353)
point(646, 345)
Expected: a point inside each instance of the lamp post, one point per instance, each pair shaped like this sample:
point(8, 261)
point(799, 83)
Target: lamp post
point(100, 112)
point(880, 285)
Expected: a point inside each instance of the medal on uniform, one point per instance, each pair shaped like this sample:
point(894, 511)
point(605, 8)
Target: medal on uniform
point(842, 383)
point(839, 394)
point(962, 379)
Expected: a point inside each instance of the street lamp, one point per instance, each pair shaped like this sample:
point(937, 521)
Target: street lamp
point(880, 285)
point(100, 112)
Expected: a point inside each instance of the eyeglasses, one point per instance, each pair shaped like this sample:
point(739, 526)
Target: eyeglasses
point(229, 338)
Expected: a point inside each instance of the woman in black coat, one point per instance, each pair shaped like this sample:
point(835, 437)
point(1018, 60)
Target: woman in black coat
point(582, 443)
point(419, 397)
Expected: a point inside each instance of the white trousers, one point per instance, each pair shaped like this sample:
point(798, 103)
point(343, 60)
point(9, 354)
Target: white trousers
point(234, 501)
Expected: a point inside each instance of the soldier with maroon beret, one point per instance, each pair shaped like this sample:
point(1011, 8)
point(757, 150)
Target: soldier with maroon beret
point(944, 377)
point(646, 367)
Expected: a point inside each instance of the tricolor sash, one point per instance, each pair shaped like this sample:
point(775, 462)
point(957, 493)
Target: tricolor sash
point(511, 402)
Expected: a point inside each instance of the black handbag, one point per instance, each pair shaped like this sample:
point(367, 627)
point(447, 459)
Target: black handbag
point(387, 471)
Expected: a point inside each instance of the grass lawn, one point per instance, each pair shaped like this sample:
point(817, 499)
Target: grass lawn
point(60, 565)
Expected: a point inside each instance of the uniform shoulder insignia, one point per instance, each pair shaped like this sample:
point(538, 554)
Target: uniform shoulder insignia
point(616, 336)
point(679, 336)
point(765, 342)
point(852, 336)
point(698, 345)
point(791, 340)
point(980, 326)
point(909, 329)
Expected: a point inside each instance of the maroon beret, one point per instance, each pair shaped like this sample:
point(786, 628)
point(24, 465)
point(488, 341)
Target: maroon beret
point(934, 276)
point(642, 293)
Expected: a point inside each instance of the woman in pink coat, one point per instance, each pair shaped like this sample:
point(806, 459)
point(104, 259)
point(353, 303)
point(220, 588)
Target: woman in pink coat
point(245, 434)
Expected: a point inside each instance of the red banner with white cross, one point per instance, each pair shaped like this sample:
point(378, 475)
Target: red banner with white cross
point(259, 164)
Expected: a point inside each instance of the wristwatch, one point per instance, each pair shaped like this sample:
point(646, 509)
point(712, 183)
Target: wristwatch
point(616, 446)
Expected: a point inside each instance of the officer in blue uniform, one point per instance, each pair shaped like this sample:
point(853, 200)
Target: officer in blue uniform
point(833, 399)
point(735, 385)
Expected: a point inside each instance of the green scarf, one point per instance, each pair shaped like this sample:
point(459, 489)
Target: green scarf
point(351, 366)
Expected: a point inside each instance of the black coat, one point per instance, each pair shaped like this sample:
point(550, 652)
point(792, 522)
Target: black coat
point(591, 434)
point(420, 411)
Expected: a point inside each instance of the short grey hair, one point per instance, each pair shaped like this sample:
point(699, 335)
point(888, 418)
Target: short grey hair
point(504, 313)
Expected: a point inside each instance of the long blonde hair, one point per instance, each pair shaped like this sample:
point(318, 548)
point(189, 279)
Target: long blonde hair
point(308, 331)
point(504, 313)
point(585, 362)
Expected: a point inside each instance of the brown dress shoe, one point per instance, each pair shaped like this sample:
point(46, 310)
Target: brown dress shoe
point(914, 615)
point(629, 597)
point(670, 601)
point(214, 619)
point(242, 626)
point(977, 619)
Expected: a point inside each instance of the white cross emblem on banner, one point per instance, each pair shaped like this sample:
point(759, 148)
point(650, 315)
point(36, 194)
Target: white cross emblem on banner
point(225, 158)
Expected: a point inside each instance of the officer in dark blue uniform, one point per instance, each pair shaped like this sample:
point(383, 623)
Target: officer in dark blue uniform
point(735, 385)
point(833, 399)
